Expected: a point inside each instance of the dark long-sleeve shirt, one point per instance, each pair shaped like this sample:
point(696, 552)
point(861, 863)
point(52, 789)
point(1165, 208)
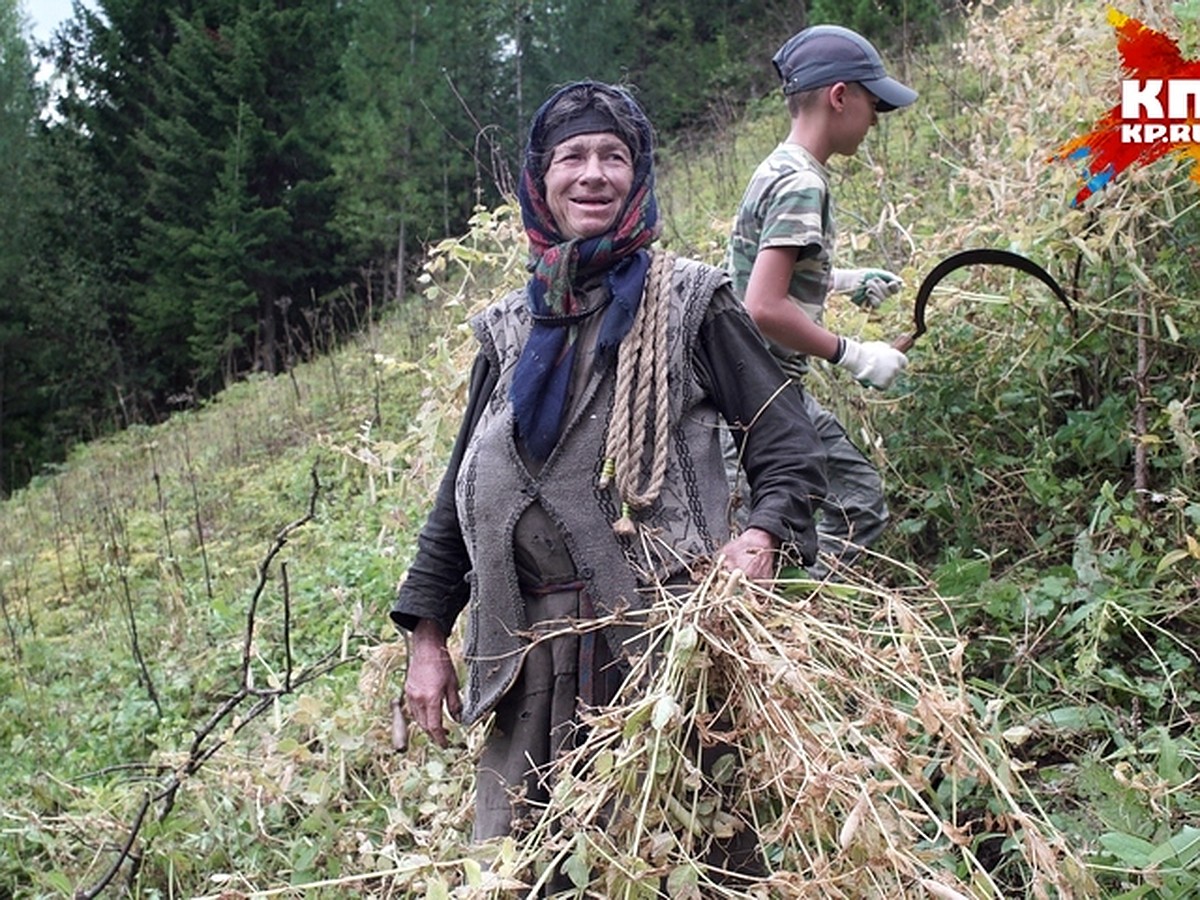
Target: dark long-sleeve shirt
point(779, 450)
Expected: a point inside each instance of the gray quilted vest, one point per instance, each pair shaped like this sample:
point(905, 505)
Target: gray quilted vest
point(687, 522)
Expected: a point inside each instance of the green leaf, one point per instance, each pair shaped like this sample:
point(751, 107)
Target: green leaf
point(1168, 759)
point(1169, 559)
point(961, 576)
point(683, 883)
point(604, 762)
point(723, 768)
point(577, 869)
point(472, 872)
point(1143, 890)
point(635, 721)
point(1181, 849)
point(60, 882)
point(666, 708)
point(1129, 849)
point(684, 642)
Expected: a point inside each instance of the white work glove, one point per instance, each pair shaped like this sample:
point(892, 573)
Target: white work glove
point(866, 287)
point(873, 363)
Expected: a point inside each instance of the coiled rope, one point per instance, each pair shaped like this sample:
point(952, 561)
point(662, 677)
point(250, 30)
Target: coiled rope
point(641, 408)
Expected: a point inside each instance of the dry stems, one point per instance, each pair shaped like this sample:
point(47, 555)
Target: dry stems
point(833, 722)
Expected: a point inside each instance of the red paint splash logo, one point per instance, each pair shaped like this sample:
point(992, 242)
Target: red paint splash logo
point(1157, 114)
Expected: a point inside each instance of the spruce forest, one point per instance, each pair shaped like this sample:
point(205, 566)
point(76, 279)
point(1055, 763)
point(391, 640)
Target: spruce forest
point(211, 189)
point(241, 244)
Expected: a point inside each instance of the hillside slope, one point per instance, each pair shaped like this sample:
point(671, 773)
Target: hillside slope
point(196, 668)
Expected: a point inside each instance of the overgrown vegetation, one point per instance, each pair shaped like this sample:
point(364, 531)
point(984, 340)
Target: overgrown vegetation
point(208, 189)
point(1039, 585)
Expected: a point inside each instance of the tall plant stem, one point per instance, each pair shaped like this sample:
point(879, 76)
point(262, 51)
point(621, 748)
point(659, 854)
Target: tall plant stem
point(1141, 471)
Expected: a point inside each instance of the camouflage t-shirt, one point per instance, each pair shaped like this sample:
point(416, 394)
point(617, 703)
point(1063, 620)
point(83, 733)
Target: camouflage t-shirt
point(787, 204)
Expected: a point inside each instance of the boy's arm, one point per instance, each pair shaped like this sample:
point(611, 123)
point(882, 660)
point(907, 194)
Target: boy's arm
point(783, 322)
point(778, 318)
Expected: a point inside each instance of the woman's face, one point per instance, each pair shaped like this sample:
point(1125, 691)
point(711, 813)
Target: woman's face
point(587, 183)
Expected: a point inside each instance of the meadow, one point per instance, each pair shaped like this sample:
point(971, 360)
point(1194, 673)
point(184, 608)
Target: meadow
point(197, 672)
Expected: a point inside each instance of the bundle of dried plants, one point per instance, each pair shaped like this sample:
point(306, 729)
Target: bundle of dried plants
point(827, 727)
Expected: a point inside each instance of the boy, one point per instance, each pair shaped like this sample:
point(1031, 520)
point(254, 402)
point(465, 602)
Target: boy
point(781, 256)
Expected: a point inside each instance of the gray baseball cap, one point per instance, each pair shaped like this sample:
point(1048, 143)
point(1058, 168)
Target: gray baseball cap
point(826, 54)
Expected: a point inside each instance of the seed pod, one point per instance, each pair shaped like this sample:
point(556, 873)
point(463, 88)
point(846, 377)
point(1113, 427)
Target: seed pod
point(850, 826)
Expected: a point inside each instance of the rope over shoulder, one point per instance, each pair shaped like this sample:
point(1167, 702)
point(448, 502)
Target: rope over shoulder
point(641, 407)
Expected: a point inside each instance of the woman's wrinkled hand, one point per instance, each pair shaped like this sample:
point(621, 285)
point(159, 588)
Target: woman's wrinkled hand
point(432, 682)
point(752, 551)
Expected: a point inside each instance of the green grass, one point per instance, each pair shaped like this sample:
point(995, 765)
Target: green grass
point(1046, 500)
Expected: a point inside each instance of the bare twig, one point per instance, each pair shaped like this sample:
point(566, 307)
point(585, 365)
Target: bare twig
point(191, 473)
point(162, 503)
point(119, 544)
point(287, 627)
point(126, 853)
point(280, 542)
point(1141, 385)
point(202, 748)
point(399, 726)
point(9, 626)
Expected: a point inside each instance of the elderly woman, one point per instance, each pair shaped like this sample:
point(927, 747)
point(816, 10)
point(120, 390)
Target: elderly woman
point(588, 465)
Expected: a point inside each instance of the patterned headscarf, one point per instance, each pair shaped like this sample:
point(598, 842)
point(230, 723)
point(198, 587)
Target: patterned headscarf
point(559, 266)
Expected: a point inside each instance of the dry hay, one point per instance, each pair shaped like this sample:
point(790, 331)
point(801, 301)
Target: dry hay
point(834, 723)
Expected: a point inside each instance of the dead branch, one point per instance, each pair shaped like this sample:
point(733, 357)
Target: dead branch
point(126, 853)
point(118, 540)
point(204, 745)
